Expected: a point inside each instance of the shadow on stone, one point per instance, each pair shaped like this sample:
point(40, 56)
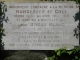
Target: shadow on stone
point(2, 18)
point(26, 55)
point(77, 29)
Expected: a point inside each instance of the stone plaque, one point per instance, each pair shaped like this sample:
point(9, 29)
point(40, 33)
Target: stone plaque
point(40, 26)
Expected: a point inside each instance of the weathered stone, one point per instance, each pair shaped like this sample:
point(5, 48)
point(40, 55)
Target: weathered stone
point(40, 26)
point(26, 55)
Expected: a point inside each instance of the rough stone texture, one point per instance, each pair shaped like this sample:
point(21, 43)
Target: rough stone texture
point(26, 55)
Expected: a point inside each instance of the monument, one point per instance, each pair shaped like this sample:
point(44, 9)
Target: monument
point(40, 26)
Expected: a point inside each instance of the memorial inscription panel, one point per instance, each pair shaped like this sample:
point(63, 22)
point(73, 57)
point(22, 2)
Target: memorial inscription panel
point(40, 26)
